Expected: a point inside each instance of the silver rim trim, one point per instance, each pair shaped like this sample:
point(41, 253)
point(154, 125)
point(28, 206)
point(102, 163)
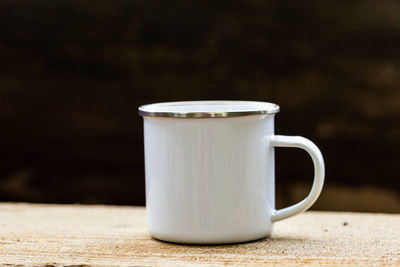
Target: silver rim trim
point(142, 112)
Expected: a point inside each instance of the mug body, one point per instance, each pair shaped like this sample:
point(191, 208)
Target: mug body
point(209, 180)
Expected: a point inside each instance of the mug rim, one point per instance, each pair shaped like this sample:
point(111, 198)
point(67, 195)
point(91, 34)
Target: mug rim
point(207, 109)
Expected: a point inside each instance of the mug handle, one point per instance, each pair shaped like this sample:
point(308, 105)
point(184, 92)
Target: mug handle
point(319, 174)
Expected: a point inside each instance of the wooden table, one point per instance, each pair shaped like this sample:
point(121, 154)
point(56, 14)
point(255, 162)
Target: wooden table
point(33, 234)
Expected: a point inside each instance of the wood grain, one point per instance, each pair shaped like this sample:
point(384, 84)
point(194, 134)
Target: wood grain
point(58, 235)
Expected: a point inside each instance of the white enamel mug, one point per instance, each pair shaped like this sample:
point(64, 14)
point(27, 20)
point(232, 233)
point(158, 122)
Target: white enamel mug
point(210, 175)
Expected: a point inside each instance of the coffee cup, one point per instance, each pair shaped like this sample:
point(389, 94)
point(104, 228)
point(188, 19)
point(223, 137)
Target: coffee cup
point(210, 171)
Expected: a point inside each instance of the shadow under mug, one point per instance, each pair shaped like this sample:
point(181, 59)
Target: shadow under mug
point(210, 174)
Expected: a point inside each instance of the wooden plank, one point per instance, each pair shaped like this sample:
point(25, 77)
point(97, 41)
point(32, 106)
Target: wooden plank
point(33, 234)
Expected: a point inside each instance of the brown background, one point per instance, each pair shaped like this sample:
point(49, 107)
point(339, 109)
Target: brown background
point(72, 74)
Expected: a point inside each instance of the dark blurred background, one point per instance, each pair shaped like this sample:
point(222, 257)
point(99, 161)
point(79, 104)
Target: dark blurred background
point(72, 74)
